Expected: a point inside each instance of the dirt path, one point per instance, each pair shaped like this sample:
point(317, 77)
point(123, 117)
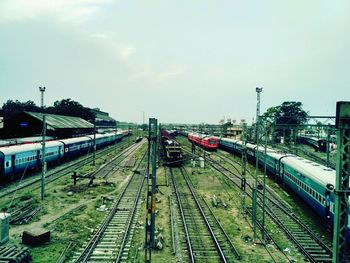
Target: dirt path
point(38, 226)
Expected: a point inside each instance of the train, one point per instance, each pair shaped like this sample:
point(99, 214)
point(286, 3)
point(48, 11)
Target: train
point(171, 149)
point(312, 182)
point(319, 144)
point(207, 142)
point(19, 159)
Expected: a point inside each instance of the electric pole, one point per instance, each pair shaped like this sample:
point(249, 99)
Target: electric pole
point(258, 91)
point(151, 188)
point(341, 191)
point(255, 188)
point(43, 163)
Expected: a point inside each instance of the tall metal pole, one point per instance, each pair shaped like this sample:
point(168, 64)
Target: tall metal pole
point(151, 188)
point(43, 163)
point(143, 120)
point(254, 217)
point(94, 156)
point(327, 145)
point(264, 188)
point(258, 91)
point(342, 191)
point(244, 166)
point(244, 158)
point(255, 188)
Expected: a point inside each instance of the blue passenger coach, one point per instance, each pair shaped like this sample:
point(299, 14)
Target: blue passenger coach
point(313, 182)
point(19, 158)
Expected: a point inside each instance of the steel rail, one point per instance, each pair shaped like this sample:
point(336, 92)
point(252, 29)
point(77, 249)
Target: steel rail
point(188, 243)
point(233, 248)
point(131, 218)
point(216, 242)
point(288, 213)
point(97, 236)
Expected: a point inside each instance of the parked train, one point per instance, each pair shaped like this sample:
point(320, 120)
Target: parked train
point(171, 149)
point(318, 144)
point(19, 159)
point(313, 182)
point(205, 141)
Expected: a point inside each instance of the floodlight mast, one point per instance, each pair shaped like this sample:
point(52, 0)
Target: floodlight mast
point(43, 163)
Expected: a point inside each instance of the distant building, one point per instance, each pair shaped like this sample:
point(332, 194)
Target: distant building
point(28, 124)
point(234, 132)
point(103, 120)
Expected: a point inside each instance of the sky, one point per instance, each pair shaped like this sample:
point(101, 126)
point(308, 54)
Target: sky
point(180, 61)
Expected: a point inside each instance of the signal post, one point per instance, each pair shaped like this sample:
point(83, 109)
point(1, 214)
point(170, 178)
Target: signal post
point(342, 191)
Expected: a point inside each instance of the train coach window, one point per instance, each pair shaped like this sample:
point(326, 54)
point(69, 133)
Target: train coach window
point(7, 164)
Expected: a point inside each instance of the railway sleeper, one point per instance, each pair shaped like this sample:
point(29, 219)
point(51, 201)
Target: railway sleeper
point(323, 256)
point(323, 259)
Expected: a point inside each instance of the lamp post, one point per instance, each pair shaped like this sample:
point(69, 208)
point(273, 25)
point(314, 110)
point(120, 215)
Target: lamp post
point(255, 189)
point(43, 163)
point(258, 91)
point(94, 156)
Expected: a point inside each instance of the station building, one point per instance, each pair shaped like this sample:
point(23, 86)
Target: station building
point(234, 132)
point(29, 124)
point(103, 121)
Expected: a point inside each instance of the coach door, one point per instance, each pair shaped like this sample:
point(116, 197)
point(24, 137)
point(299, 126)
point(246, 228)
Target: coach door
point(38, 160)
point(276, 169)
point(327, 213)
point(281, 173)
point(2, 170)
point(12, 164)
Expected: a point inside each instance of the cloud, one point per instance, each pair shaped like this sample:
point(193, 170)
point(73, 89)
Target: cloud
point(75, 11)
point(98, 35)
point(172, 72)
point(125, 51)
point(148, 74)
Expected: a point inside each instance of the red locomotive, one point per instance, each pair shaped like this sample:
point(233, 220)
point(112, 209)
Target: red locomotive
point(205, 141)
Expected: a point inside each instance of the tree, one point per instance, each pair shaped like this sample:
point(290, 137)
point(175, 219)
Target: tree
point(225, 126)
point(285, 117)
point(11, 108)
point(70, 107)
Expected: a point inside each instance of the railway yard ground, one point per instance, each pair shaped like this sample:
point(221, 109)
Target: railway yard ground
point(74, 213)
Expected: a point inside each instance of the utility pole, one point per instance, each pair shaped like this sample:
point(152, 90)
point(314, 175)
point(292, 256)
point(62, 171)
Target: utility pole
point(94, 156)
point(151, 188)
point(43, 163)
point(244, 166)
point(244, 157)
point(258, 91)
point(327, 145)
point(255, 188)
point(143, 120)
point(264, 187)
point(342, 191)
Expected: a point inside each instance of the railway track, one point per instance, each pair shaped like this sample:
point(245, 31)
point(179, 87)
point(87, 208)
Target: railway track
point(206, 240)
point(115, 163)
point(313, 248)
point(111, 242)
point(56, 173)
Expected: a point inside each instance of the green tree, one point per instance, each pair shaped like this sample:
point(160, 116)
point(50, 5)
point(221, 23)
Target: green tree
point(225, 126)
point(285, 117)
point(11, 108)
point(70, 107)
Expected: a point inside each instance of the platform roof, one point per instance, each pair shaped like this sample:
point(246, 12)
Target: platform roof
point(102, 116)
point(62, 122)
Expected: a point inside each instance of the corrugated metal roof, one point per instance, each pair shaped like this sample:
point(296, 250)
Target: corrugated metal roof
point(103, 117)
point(62, 122)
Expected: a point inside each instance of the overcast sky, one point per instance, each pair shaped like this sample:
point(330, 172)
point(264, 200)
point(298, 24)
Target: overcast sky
point(181, 61)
